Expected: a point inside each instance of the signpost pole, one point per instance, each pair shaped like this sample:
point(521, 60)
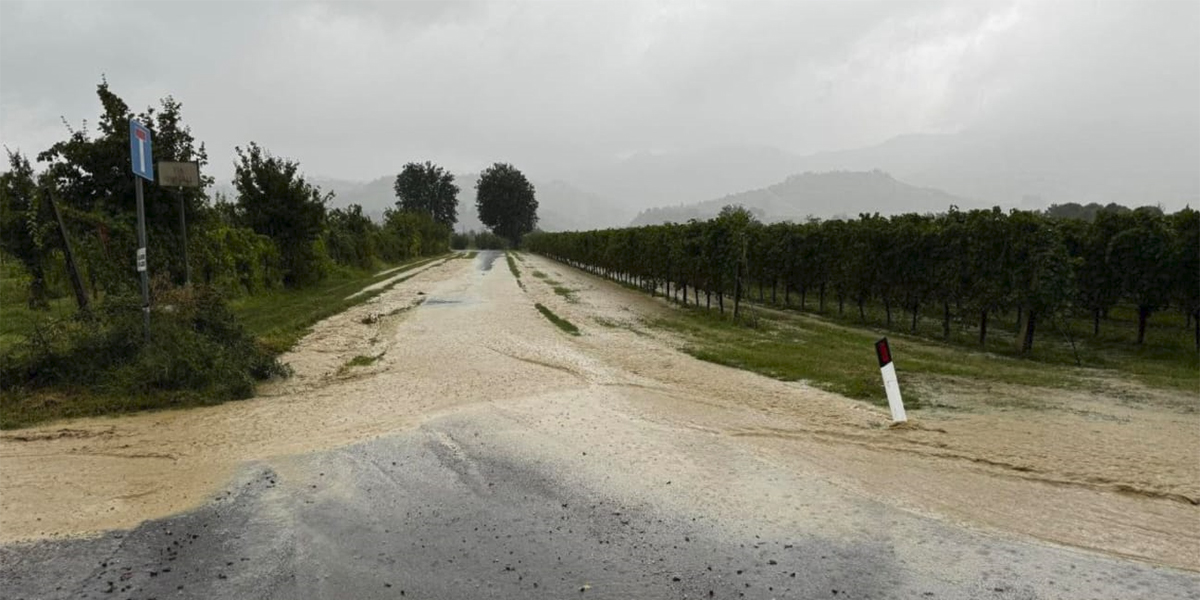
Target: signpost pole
point(185, 174)
point(187, 267)
point(141, 158)
point(145, 269)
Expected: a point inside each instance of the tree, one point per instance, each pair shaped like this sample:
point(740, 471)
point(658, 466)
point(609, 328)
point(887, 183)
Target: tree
point(1040, 271)
point(274, 200)
point(430, 189)
point(1142, 260)
point(89, 171)
point(24, 225)
point(350, 237)
point(987, 285)
point(506, 202)
point(1186, 277)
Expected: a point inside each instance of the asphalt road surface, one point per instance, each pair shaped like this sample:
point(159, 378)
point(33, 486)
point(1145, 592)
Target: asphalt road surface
point(559, 495)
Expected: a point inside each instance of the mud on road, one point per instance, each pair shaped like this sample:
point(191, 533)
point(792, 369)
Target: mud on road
point(461, 340)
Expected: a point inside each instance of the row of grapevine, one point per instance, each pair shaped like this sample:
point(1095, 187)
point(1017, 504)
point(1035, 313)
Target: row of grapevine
point(970, 264)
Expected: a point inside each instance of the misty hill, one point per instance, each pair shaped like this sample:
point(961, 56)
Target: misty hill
point(561, 206)
point(824, 195)
point(1031, 169)
point(656, 179)
point(1018, 165)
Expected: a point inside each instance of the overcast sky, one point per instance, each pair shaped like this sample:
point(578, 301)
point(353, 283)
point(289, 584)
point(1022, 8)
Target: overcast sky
point(354, 90)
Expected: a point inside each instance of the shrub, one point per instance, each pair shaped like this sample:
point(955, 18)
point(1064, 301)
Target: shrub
point(197, 353)
point(486, 240)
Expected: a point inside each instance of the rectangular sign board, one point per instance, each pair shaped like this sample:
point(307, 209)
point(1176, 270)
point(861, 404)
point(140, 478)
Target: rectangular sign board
point(141, 259)
point(179, 174)
point(891, 385)
point(139, 151)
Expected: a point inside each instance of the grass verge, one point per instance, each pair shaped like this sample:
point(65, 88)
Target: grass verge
point(281, 318)
point(562, 323)
point(841, 359)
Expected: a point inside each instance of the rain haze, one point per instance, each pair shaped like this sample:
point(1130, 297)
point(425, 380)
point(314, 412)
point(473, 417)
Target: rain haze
point(600, 299)
point(616, 107)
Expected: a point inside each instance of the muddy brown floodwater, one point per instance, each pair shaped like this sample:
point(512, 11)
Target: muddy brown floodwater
point(460, 335)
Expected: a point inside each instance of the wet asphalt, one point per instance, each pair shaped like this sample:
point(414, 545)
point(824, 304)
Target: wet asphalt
point(446, 511)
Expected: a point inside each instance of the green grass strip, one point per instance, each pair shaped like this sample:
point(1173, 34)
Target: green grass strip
point(512, 265)
point(562, 323)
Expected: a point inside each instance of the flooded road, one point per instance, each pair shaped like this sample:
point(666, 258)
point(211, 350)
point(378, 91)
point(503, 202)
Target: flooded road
point(486, 453)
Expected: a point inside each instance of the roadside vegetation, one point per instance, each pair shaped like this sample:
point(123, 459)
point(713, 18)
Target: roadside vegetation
point(1120, 292)
point(262, 266)
point(560, 322)
point(198, 353)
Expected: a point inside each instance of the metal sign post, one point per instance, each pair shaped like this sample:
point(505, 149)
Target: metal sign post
point(181, 175)
point(890, 384)
point(140, 157)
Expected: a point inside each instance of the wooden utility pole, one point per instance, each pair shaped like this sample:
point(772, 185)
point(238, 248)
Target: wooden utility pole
point(72, 271)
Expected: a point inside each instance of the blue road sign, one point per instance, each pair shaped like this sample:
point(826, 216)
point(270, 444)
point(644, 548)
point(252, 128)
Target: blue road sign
point(139, 151)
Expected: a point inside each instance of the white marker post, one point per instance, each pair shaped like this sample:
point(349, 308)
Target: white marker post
point(890, 383)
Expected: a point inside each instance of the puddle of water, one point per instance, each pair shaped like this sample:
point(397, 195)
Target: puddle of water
point(486, 258)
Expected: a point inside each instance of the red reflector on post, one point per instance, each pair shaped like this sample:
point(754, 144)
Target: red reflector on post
point(883, 352)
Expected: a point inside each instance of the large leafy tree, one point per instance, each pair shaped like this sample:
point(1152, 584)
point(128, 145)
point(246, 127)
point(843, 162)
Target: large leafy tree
point(506, 201)
point(276, 201)
point(430, 189)
point(89, 174)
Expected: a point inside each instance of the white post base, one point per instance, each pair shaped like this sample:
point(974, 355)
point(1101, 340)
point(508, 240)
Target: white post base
point(892, 385)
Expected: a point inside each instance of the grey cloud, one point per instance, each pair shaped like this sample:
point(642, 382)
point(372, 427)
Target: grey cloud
point(354, 89)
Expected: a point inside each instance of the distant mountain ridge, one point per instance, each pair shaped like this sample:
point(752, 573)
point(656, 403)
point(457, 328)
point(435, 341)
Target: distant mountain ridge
point(822, 195)
point(1026, 168)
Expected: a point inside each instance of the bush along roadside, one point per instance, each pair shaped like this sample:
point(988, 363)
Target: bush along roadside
point(101, 362)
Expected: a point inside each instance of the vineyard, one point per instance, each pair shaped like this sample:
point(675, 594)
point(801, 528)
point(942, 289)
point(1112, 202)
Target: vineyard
point(960, 267)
